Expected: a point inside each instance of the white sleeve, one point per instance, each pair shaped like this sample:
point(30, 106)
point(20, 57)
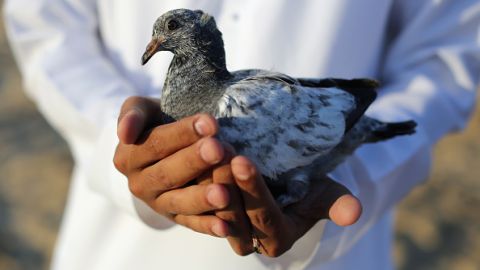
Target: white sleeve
point(67, 73)
point(430, 74)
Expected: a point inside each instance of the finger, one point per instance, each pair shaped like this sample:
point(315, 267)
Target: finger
point(229, 153)
point(261, 208)
point(192, 200)
point(240, 228)
point(209, 224)
point(185, 165)
point(167, 139)
point(136, 114)
point(345, 209)
point(329, 199)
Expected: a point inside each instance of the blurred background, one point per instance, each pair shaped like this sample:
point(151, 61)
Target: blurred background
point(438, 224)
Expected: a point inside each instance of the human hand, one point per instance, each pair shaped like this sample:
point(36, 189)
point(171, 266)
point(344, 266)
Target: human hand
point(278, 229)
point(158, 172)
point(160, 161)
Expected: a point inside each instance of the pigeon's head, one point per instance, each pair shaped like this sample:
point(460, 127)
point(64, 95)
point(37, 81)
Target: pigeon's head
point(183, 32)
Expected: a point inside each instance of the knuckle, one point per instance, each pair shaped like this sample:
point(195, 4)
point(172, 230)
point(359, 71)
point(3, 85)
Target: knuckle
point(135, 188)
point(119, 161)
point(158, 205)
point(264, 219)
point(173, 205)
point(168, 184)
point(158, 180)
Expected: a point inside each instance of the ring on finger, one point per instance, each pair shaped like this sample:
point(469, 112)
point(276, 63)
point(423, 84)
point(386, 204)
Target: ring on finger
point(256, 245)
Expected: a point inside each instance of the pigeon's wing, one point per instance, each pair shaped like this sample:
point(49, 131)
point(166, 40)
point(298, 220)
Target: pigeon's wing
point(362, 89)
point(282, 125)
point(263, 75)
point(339, 83)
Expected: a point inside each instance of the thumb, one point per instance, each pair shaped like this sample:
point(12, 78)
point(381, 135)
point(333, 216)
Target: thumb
point(136, 115)
point(329, 199)
point(343, 208)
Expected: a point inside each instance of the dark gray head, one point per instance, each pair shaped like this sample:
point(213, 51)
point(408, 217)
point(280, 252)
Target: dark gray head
point(184, 32)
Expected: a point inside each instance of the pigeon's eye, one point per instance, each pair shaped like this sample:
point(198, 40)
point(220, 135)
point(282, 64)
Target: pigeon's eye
point(172, 25)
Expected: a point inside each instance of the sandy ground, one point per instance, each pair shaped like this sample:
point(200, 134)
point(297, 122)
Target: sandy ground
point(438, 224)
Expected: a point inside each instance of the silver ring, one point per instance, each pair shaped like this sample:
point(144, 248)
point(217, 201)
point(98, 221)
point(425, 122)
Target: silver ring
point(256, 244)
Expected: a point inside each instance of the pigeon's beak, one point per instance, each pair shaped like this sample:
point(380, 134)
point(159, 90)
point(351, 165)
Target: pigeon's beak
point(153, 47)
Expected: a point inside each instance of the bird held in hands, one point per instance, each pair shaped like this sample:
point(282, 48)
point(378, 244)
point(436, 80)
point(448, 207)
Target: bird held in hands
point(293, 129)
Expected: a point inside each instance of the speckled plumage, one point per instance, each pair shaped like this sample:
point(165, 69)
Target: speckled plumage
point(288, 125)
point(292, 129)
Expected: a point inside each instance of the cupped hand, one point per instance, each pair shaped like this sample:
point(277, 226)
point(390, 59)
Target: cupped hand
point(278, 229)
point(160, 161)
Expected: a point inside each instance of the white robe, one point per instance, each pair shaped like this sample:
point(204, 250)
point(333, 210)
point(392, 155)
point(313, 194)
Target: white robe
point(80, 59)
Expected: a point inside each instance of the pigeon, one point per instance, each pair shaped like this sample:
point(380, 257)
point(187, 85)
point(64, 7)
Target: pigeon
point(293, 129)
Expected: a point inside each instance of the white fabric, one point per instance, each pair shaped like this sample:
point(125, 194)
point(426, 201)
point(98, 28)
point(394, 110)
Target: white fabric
point(81, 58)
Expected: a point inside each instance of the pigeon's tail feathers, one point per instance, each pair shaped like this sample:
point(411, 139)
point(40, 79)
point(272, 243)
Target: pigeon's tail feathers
point(363, 98)
point(390, 130)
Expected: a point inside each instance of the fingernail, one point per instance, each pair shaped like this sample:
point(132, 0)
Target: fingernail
point(210, 152)
point(243, 177)
point(201, 127)
point(242, 172)
point(218, 231)
point(214, 197)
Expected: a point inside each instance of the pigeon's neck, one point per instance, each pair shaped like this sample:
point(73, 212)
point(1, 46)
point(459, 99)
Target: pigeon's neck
point(195, 82)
